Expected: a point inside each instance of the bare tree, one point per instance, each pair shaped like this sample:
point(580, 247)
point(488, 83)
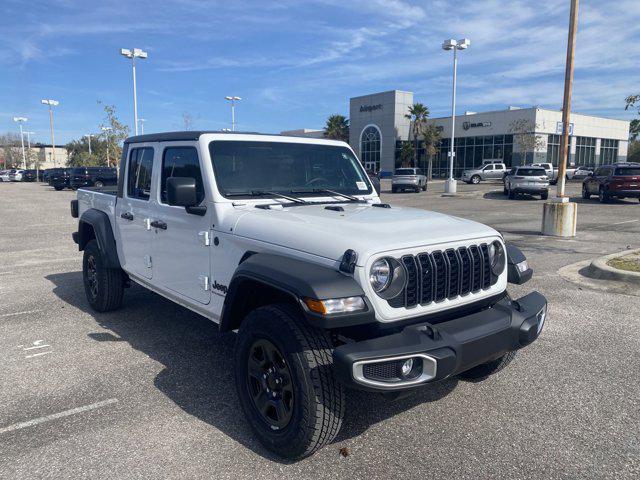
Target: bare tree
point(524, 137)
point(187, 120)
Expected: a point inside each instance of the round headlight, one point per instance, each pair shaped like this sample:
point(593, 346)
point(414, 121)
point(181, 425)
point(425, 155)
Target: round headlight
point(380, 275)
point(387, 277)
point(497, 257)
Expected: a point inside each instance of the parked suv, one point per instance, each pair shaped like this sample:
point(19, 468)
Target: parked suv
point(16, 175)
point(408, 179)
point(619, 180)
point(59, 178)
point(4, 176)
point(490, 171)
point(29, 176)
point(92, 177)
point(530, 180)
point(285, 240)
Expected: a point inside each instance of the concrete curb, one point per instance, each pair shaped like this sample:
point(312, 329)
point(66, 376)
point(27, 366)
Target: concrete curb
point(600, 270)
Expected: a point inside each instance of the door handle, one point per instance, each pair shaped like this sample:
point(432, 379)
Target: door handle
point(159, 224)
point(127, 215)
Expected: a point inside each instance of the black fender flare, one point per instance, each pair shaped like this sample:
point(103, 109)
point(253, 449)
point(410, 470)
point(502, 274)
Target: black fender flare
point(101, 225)
point(297, 279)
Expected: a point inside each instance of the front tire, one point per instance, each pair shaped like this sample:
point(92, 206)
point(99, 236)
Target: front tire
point(104, 287)
point(510, 193)
point(485, 370)
point(585, 193)
point(602, 195)
point(544, 195)
point(475, 179)
point(58, 188)
point(292, 423)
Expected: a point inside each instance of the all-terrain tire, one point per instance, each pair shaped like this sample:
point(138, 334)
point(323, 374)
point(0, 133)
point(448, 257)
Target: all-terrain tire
point(318, 405)
point(485, 370)
point(104, 287)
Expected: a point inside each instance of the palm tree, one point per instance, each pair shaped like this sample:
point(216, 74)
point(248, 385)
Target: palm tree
point(418, 113)
point(432, 138)
point(337, 128)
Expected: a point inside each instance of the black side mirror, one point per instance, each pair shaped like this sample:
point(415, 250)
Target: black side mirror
point(181, 191)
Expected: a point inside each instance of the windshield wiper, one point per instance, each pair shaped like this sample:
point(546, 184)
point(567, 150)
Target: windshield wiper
point(330, 192)
point(261, 193)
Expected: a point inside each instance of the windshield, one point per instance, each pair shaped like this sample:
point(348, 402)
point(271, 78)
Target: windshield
point(243, 167)
point(531, 172)
point(405, 171)
point(634, 171)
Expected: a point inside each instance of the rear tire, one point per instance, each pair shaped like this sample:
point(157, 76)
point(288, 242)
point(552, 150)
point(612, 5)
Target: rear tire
point(104, 287)
point(485, 370)
point(98, 184)
point(315, 413)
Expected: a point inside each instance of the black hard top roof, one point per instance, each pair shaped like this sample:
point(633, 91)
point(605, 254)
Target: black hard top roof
point(184, 136)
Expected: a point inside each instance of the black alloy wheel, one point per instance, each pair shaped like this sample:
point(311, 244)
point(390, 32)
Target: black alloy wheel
point(270, 385)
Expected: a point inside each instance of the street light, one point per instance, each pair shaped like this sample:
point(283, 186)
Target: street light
point(233, 111)
point(105, 130)
point(20, 121)
point(28, 134)
point(51, 103)
point(450, 186)
point(88, 136)
point(133, 54)
point(142, 120)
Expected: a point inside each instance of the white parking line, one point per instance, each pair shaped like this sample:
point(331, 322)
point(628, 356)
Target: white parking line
point(55, 416)
point(18, 313)
point(38, 354)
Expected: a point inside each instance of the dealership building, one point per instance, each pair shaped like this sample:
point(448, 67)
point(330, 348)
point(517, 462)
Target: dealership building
point(379, 127)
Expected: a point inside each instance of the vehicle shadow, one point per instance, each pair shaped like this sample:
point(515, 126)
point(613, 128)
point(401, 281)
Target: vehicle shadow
point(198, 370)
point(499, 195)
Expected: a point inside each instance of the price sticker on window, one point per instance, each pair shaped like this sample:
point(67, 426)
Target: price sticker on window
point(361, 185)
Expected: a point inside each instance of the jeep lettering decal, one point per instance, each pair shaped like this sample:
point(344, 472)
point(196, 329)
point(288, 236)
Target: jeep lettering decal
point(221, 288)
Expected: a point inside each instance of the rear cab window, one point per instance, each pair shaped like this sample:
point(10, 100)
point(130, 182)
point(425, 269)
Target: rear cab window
point(139, 170)
point(628, 171)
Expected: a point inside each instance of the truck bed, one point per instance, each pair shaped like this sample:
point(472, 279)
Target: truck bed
point(103, 199)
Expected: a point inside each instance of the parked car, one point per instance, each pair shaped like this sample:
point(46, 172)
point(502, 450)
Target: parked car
point(408, 179)
point(59, 178)
point(16, 175)
point(29, 176)
point(582, 172)
point(285, 241)
point(489, 171)
point(530, 180)
point(4, 176)
point(619, 180)
point(92, 177)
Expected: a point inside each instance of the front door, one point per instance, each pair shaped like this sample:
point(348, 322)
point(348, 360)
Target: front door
point(180, 250)
point(133, 213)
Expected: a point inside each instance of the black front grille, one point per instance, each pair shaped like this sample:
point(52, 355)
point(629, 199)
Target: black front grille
point(435, 276)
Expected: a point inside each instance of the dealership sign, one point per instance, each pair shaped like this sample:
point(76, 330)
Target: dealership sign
point(370, 108)
point(560, 129)
point(468, 125)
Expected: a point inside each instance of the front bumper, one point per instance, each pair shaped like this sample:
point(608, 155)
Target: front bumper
point(444, 349)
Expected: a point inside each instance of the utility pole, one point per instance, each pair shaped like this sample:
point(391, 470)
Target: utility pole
point(20, 121)
point(559, 215)
point(566, 103)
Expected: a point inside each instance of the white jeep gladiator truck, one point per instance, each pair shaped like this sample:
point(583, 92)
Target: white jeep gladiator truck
point(286, 241)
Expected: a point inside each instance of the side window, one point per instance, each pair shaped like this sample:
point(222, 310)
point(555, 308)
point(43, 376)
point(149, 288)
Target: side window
point(488, 168)
point(181, 162)
point(139, 173)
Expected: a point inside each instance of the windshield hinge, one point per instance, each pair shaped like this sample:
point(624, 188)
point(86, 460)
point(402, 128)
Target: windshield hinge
point(203, 281)
point(205, 237)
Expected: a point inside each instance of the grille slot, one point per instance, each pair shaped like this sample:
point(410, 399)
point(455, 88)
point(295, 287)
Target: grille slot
point(435, 276)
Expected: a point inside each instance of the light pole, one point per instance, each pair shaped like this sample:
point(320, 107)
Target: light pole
point(233, 111)
point(450, 185)
point(20, 121)
point(105, 130)
point(28, 134)
point(133, 54)
point(51, 104)
point(142, 120)
point(88, 137)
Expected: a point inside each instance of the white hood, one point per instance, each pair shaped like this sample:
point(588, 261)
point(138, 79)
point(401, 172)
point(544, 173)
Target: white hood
point(361, 227)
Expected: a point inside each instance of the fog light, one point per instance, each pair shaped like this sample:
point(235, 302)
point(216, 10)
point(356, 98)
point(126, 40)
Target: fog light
point(522, 266)
point(407, 366)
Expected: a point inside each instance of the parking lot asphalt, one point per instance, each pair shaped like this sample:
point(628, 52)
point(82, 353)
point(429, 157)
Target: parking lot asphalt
point(147, 391)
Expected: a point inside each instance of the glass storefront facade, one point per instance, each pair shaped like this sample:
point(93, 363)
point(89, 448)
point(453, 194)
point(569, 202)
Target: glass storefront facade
point(370, 148)
point(470, 153)
point(608, 151)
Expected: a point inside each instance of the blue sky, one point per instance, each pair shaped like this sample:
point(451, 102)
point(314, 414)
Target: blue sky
point(294, 63)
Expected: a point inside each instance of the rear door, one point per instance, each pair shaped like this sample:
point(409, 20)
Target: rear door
point(134, 212)
point(181, 243)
